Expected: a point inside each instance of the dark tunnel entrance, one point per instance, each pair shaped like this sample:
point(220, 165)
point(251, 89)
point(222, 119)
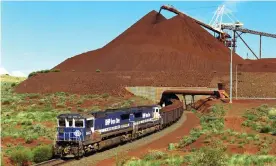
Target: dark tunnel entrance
point(167, 98)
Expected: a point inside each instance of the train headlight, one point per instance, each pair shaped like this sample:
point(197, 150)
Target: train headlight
point(66, 150)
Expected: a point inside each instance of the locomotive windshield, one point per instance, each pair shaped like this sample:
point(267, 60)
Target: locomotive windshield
point(89, 123)
point(78, 123)
point(61, 122)
point(70, 122)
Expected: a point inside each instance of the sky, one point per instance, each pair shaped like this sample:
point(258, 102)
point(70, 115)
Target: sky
point(40, 35)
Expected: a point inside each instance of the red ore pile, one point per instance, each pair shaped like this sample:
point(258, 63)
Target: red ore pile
point(155, 51)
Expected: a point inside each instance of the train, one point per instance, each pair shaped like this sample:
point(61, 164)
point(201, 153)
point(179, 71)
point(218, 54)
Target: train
point(79, 134)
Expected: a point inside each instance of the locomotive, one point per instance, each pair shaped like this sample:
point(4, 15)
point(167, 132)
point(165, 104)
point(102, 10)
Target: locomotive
point(82, 133)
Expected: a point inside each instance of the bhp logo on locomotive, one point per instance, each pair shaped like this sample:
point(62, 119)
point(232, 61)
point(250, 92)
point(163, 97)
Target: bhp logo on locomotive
point(146, 115)
point(112, 121)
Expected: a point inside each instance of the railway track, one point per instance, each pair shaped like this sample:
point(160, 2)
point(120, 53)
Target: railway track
point(93, 159)
point(53, 162)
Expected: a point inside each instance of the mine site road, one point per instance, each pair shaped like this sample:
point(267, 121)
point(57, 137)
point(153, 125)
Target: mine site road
point(99, 156)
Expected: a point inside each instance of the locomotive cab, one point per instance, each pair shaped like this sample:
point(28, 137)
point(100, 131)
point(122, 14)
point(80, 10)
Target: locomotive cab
point(156, 112)
point(72, 131)
point(70, 128)
point(74, 127)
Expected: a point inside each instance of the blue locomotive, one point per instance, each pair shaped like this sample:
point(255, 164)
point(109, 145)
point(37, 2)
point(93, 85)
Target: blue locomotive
point(81, 133)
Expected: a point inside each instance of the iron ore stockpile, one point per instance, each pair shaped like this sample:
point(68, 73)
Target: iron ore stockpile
point(155, 51)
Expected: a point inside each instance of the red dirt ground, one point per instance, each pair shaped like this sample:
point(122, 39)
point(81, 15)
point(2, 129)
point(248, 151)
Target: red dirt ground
point(20, 141)
point(155, 51)
point(233, 120)
point(162, 143)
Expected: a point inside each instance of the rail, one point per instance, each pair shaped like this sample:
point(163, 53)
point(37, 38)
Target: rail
point(53, 162)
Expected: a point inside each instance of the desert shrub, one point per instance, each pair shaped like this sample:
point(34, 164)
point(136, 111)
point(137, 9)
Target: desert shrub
point(105, 95)
point(13, 84)
point(80, 109)
point(60, 105)
point(258, 160)
point(155, 155)
point(209, 156)
point(250, 116)
point(26, 122)
point(55, 70)
point(41, 101)
point(171, 146)
point(42, 153)
point(30, 115)
point(42, 71)
point(139, 162)
point(30, 138)
point(21, 157)
point(174, 160)
point(187, 140)
point(247, 123)
point(80, 102)
point(224, 137)
point(95, 108)
point(47, 116)
point(6, 102)
point(33, 95)
point(98, 70)
point(265, 129)
point(121, 159)
point(32, 74)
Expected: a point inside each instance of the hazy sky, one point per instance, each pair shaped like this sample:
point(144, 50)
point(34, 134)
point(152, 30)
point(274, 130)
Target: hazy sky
point(40, 35)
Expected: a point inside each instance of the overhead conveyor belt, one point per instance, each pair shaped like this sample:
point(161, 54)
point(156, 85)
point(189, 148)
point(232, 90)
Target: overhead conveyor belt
point(244, 30)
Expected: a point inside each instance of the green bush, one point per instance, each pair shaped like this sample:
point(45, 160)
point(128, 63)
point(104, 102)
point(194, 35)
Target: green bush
point(30, 138)
point(209, 156)
point(174, 160)
point(13, 84)
point(171, 146)
point(21, 157)
point(6, 102)
point(250, 116)
point(32, 74)
point(60, 105)
point(55, 70)
point(155, 155)
point(79, 109)
point(42, 153)
point(258, 160)
point(98, 70)
point(42, 71)
point(265, 129)
point(105, 95)
point(26, 122)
